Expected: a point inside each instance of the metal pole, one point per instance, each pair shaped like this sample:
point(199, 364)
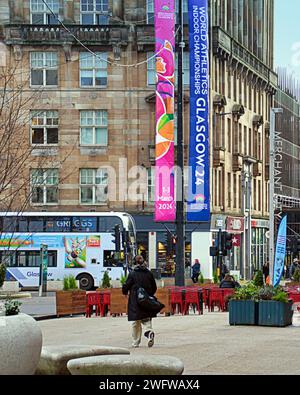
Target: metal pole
point(273, 113)
point(180, 231)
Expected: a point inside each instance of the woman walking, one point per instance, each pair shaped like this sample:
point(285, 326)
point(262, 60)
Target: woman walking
point(140, 276)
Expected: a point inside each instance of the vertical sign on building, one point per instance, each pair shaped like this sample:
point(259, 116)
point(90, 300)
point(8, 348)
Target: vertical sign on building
point(280, 251)
point(199, 189)
point(164, 133)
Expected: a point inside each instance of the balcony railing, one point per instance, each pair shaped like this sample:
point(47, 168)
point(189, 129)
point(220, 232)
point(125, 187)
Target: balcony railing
point(53, 34)
point(223, 42)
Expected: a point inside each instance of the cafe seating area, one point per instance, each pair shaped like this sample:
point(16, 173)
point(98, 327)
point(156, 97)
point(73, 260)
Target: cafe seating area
point(177, 300)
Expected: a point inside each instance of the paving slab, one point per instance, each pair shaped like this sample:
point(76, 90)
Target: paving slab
point(206, 344)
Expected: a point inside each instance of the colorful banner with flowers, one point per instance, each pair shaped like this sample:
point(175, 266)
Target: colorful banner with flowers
point(164, 142)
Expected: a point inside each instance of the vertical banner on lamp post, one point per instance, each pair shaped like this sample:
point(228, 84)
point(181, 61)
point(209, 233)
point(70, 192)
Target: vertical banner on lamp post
point(199, 189)
point(280, 252)
point(164, 137)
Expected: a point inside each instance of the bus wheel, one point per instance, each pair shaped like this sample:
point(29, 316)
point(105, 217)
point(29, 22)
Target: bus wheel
point(86, 282)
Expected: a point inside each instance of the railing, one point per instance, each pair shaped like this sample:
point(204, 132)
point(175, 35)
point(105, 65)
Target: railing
point(102, 34)
point(221, 40)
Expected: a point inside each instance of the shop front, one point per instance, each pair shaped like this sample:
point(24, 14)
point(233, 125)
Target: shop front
point(157, 244)
point(259, 245)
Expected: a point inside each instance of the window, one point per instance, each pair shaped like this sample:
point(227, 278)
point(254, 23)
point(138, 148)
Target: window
point(150, 11)
point(94, 12)
point(151, 71)
point(41, 14)
point(151, 185)
point(44, 183)
point(27, 258)
point(44, 127)
point(93, 186)
point(43, 67)
point(93, 128)
point(93, 70)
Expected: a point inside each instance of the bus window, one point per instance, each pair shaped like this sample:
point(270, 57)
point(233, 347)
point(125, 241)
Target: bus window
point(21, 259)
point(23, 225)
point(10, 224)
point(8, 258)
point(109, 259)
point(107, 224)
point(84, 224)
point(33, 258)
point(36, 225)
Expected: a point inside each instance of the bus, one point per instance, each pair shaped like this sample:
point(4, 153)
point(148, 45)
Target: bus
point(79, 244)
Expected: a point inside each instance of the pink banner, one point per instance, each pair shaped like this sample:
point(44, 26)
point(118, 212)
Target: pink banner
point(164, 140)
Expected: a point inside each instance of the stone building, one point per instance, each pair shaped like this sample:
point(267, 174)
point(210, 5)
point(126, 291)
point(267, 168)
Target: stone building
point(98, 112)
point(287, 157)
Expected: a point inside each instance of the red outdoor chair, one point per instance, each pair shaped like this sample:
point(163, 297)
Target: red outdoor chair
point(191, 298)
point(105, 303)
point(215, 299)
point(92, 299)
point(176, 301)
point(224, 301)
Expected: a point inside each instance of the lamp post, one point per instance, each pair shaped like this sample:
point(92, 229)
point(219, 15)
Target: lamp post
point(180, 231)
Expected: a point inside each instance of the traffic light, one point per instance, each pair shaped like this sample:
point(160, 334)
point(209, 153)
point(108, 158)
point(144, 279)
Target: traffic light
point(117, 237)
point(125, 239)
point(213, 250)
point(226, 242)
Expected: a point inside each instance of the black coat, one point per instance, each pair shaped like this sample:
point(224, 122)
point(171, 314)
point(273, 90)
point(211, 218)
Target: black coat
point(139, 277)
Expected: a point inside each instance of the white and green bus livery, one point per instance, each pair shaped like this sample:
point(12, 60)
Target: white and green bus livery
point(80, 244)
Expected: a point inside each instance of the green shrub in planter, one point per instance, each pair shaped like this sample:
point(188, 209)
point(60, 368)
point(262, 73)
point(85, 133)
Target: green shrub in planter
point(201, 279)
point(274, 308)
point(243, 306)
point(259, 279)
point(123, 278)
point(106, 280)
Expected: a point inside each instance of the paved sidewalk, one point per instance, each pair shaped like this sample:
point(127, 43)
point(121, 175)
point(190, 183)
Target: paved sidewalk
point(39, 306)
point(206, 344)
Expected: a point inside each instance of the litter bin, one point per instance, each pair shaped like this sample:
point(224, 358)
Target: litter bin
point(156, 273)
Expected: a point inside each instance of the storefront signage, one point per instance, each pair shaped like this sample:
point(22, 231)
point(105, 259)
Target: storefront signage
point(199, 190)
point(235, 224)
point(164, 21)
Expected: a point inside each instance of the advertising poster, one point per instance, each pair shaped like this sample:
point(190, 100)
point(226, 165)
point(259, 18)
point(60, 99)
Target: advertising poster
point(75, 251)
point(164, 21)
point(280, 251)
point(198, 209)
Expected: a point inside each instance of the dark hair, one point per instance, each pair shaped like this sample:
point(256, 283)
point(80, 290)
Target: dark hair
point(138, 259)
point(228, 277)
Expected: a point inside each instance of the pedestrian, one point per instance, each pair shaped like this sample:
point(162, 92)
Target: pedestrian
point(196, 268)
point(229, 282)
point(293, 267)
point(266, 271)
point(140, 276)
point(224, 270)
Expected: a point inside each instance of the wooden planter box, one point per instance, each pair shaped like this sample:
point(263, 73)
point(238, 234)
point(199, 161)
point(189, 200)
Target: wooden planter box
point(118, 301)
point(243, 312)
point(273, 313)
point(163, 295)
point(70, 302)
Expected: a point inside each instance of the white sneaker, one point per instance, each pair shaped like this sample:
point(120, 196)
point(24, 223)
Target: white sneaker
point(150, 339)
point(135, 345)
